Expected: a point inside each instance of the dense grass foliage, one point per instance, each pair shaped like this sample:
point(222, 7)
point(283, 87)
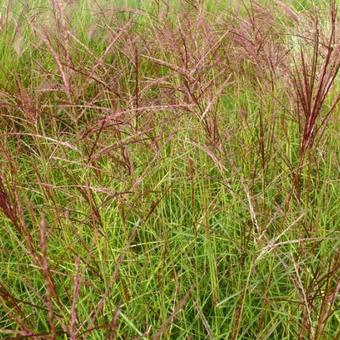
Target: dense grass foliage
point(169, 169)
